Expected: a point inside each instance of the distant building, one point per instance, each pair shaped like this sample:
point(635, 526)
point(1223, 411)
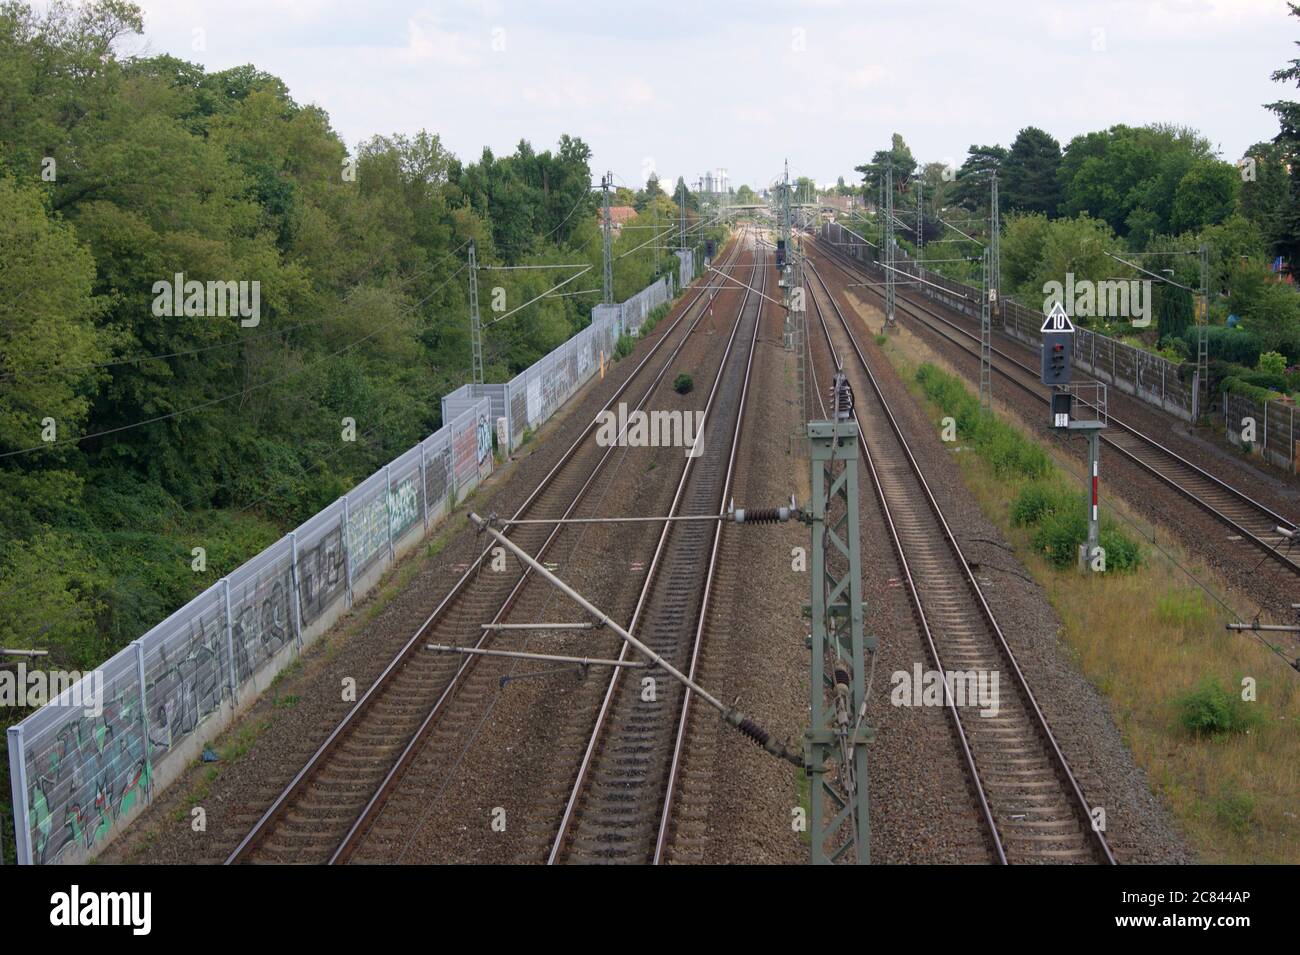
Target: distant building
point(618, 215)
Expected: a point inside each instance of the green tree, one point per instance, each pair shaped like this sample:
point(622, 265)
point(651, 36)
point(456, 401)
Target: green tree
point(1205, 196)
point(899, 157)
point(972, 185)
point(1287, 229)
point(1031, 173)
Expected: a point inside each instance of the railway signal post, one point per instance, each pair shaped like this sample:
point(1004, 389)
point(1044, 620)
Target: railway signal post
point(835, 746)
point(1058, 350)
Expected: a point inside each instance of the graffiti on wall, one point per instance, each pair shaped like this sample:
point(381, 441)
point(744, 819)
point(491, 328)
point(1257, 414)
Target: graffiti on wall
point(322, 574)
point(260, 623)
point(404, 504)
point(94, 771)
point(187, 684)
point(437, 476)
point(367, 531)
point(465, 451)
point(483, 431)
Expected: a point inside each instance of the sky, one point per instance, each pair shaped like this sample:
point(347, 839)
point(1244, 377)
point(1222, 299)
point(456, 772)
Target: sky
point(682, 88)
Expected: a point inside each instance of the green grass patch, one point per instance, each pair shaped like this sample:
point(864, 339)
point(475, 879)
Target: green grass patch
point(1209, 710)
point(1007, 451)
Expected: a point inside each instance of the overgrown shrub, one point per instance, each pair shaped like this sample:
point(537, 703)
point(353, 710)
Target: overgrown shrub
point(1059, 535)
point(623, 347)
point(1209, 710)
point(1039, 499)
point(683, 384)
point(1227, 344)
point(1271, 363)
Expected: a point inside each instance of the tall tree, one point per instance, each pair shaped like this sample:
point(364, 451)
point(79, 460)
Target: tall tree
point(1287, 236)
point(1030, 173)
point(972, 187)
point(899, 157)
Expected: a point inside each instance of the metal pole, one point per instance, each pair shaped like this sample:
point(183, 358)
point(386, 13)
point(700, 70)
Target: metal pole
point(388, 509)
point(730, 714)
point(18, 787)
point(347, 548)
point(424, 482)
point(144, 719)
point(890, 259)
point(230, 635)
point(995, 249)
point(475, 322)
point(295, 591)
point(986, 337)
point(607, 274)
point(1094, 462)
point(835, 744)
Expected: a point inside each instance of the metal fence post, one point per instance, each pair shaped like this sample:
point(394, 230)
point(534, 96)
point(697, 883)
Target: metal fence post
point(230, 635)
point(388, 509)
point(18, 786)
point(347, 549)
point(144, 719)
point(424, 488)
point(1266, 427)
point(295, 592)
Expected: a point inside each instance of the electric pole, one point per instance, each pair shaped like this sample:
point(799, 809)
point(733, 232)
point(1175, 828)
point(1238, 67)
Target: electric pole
point(889, 246)
point(475, 325)
point(1203, 335)
point(835, 750)
point(607, 277)
point(986, 336)
point(920, 223)
point(995, 249)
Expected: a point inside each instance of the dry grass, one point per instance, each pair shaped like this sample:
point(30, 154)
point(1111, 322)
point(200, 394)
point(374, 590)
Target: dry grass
point(1144, 639)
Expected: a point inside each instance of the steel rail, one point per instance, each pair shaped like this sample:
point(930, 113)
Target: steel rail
point(915, 309)
point(304, 776)
point(679, 745)
point(1074, 792)
point(602, 716)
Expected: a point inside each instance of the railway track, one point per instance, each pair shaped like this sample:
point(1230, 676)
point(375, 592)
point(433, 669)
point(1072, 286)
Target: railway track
point(1247, 518)
point(329, 805)
point(621, 804)
point(1032, 805)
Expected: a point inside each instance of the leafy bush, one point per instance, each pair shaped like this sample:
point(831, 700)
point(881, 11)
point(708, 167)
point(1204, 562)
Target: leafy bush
point(1122, 552)
point(1209, 710)
point(623, 347)
point(1038, 500)
point(1227, 344)
point(1059, 535)
point(1272, 363)
point(683, 384)
point(1238, 385)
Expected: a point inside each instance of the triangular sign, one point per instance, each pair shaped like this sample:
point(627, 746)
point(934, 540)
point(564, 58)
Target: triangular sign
point(1057, 320)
